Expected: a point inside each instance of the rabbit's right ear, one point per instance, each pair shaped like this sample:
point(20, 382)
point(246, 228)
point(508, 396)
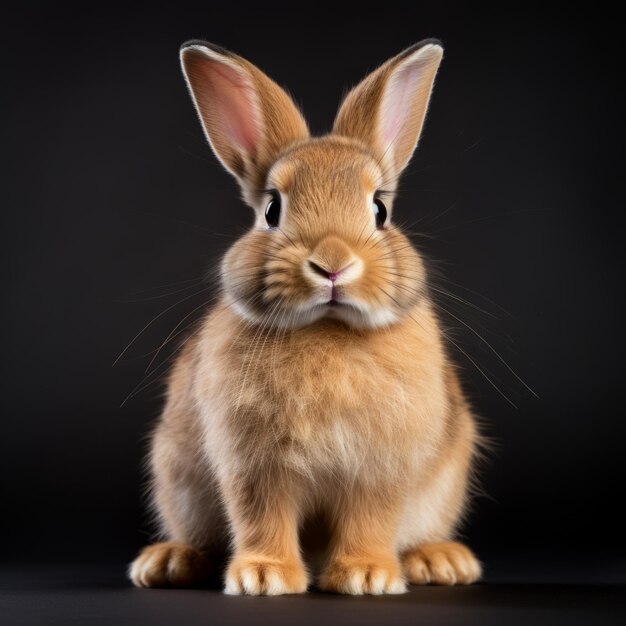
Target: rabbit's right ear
point(247, 118)
point(386, 111)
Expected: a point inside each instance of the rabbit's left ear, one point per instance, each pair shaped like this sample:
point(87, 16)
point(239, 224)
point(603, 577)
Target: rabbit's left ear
point(386, 110)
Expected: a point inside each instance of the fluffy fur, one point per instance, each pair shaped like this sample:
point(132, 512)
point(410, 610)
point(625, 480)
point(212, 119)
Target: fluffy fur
point(285, 407)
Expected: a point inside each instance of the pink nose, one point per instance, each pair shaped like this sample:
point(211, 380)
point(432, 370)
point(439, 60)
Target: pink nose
point(333, 276)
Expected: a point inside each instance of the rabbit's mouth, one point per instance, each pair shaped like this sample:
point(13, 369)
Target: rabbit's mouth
point(354, 315)
point(336, 302)
point(336, 307)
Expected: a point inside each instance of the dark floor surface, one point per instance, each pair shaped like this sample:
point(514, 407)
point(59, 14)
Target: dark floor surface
point(79, 594)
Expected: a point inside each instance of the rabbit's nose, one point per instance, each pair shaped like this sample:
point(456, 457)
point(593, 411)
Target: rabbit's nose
point(322, 271)
point(333, 259)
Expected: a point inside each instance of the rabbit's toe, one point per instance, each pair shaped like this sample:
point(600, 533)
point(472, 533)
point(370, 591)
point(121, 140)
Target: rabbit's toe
point(360, 575)
point(169, 564)
point(447, 563)
point(257, 575)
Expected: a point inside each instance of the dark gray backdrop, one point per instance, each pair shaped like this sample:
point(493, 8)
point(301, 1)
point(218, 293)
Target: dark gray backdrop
point(110, 198)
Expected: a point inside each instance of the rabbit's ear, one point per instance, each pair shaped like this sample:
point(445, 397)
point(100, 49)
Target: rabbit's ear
point(386, 110)
point(247, 118)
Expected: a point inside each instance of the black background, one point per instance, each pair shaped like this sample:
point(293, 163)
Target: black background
point(109, 192)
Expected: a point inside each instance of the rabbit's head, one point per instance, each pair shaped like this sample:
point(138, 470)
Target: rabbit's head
point(323, 242)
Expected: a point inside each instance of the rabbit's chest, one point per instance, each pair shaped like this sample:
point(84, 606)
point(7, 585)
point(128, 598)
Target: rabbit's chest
point(324, 400)
point(346, 417)
point(330, 406)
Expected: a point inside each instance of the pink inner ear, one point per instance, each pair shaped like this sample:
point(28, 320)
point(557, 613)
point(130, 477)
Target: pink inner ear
point(398, 103)
point(237, 110)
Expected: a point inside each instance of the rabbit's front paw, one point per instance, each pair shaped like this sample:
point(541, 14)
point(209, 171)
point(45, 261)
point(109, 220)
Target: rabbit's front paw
point(258, 575)
point(446, 563)
point(356, 576)
point(169, 564)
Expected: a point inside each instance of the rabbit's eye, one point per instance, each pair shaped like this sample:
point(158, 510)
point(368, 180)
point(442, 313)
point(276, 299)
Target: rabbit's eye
point(272, 210)
point(380, 211)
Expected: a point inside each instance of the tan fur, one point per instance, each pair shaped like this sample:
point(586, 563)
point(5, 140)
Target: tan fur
point(169, 564)
point(446, 563)
point(282, 409)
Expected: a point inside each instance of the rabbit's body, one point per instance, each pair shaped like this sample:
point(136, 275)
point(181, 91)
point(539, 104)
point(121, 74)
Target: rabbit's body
point(333, 435)
point(318, 386)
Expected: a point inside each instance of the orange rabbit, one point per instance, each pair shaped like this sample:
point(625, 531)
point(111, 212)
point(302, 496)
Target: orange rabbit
point(318, 385)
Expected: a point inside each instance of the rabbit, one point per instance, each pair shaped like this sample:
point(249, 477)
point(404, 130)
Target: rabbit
point(318, 386)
